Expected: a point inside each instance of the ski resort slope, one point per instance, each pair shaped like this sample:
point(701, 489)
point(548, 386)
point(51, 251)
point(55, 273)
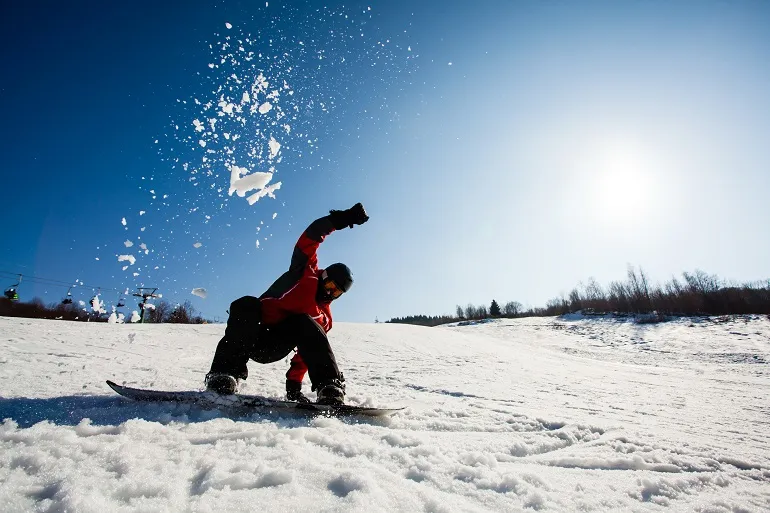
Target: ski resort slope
point(546, 414)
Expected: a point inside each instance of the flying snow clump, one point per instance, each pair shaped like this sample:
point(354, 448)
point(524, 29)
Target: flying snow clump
point(131, 259)
point(97, 305)
point(261, 113)
point(257, 180)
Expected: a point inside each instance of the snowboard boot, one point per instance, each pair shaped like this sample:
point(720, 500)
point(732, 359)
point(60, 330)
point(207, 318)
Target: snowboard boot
point(331, 393)
point(294, 392)
point(222, 384)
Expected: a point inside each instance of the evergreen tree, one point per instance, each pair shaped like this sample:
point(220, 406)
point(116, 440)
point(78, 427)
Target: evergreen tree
point(494, 309)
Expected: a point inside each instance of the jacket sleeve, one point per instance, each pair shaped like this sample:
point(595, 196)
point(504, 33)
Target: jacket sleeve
point(305, 250)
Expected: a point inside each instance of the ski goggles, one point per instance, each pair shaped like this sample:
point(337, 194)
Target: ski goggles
point(331, 288)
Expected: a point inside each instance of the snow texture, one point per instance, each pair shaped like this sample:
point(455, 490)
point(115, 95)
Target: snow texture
point(541, 414)
point(116, 317)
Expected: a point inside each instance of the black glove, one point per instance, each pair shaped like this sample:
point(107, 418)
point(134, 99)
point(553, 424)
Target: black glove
point(354, 215)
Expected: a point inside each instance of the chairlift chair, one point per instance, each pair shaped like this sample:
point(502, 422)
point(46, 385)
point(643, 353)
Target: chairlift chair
point(68, 299)
point(11, 292)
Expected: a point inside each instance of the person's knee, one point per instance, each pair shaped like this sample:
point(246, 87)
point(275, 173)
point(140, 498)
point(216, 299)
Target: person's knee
point(308, 326)
point(246, 307)
point(244, 320)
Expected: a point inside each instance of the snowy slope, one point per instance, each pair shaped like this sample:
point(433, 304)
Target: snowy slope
point(511, 415)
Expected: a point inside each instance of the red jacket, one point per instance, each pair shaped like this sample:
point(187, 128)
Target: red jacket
point(295, 291)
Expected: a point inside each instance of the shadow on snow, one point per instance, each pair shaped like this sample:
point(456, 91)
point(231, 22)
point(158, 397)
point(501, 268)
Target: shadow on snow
point(107, 410)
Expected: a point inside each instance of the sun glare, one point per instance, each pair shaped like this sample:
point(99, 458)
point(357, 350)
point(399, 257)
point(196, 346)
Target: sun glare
point(621, 184)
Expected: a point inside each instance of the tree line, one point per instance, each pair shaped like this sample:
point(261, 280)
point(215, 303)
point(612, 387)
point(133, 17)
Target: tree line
point(695, 293)
point(165, 312)
point(160, 312)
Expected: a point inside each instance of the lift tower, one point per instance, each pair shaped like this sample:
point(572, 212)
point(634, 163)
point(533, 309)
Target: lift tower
point(145, 293)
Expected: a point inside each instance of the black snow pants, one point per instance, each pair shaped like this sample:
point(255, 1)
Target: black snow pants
point(246, 337)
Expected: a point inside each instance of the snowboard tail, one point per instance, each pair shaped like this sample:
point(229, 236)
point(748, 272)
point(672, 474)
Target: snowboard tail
point(247, 403)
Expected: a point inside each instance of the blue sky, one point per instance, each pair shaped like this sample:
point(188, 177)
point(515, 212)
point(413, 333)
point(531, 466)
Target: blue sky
point(504, 150)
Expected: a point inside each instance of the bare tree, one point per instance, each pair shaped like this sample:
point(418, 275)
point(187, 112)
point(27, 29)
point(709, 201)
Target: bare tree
point(594, 296)
point(575, 303)
point(160, 312)
point(638, 290)
point(618, 296)
point(182, 314)
point(512, 308)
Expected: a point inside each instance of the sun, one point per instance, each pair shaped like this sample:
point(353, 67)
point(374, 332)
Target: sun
point(621, 183)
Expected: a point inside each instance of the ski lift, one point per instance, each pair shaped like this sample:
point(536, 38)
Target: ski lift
point(11, 292)
point(142, 293)
point(121, 301)
point(68, 299)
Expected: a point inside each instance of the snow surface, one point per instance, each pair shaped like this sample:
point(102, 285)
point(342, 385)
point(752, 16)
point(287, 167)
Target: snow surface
point(510, 415)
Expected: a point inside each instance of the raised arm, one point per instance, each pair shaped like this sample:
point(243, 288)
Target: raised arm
point(305, 250)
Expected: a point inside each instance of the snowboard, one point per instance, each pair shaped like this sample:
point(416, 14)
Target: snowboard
point(248, 403)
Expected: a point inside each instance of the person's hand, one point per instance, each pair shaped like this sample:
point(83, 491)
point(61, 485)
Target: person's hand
point(350, 217)
point(357, 214)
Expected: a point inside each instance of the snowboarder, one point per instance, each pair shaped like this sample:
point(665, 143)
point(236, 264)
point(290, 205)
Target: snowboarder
point(294, 312)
